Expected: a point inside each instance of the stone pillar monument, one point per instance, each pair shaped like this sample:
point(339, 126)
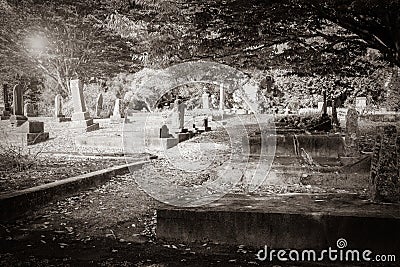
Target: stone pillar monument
point(206, 100)
point(99, 105)
point(81, 118)
point(116, 116)
point(351, 138)
point(221, 97)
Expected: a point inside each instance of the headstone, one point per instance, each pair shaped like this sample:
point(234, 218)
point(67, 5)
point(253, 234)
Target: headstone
point(7, 109)
point(361, 104)
point(325, 105)
point(18, 104)
point(320, 106)
point(29, 110)
point(206, 127)
point(59, 116)
point(116, 116)
point(58, 106)
point(32, 132)
point(385, 165)
point(18, 100)
point(181, 114)
point(221, 97)
point(81, 118)
point(116, 112)
point(206, 100)
point(213, 101)
point(287, 111)
point(99, 105)
point(351, 138)
point(164, 132)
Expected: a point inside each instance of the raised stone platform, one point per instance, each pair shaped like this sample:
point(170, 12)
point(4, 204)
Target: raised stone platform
point(30, 133)
point(295, 221)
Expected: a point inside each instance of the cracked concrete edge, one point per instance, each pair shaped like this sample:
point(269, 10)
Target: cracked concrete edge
point(15, 204)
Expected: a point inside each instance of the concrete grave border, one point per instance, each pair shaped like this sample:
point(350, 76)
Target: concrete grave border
point(15, 204)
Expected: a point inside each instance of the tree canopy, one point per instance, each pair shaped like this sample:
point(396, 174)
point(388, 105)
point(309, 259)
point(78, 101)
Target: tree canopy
point(103, 38)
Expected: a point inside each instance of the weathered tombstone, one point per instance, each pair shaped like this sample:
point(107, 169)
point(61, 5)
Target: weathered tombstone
point(58, 106)
point(81, 118)
point(18, 104)
point(206, 127)
point(116, 116)
point(325, 105)
point(99, 105)
point(320, 106)
point(29, 110)
point(116, 112)
point(351, 138)
point(361, 104)
point(384, 178)
point(181, 114)
point(213, 101)
point(164, 132)
point(221, 97)
point(6, 101)
point(206, 100)
point(59, 116)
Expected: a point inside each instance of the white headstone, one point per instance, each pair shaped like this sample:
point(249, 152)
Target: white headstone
point(116, 112)
point(320, 105)
point(361, 104)
point(206, 100)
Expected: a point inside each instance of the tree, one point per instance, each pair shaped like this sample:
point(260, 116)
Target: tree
point(60, 41)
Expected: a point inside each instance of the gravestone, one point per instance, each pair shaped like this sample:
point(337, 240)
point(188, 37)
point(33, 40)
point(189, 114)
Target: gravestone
point(361, 104)
point(5, 115)
point(29, 110)
point(164, 132)
point(325, 105)
point(213, 102)
point(320, 106)
point(351, 138)
point(18, 117)
point(385, 165)
point(116, 116)
point(80, 118)
point(206, 100)
point(221, 97)
point(32, 132)
point(59, 116)
point(181, 114)
point(206, 127)
point(58, 106)
point(99, 105)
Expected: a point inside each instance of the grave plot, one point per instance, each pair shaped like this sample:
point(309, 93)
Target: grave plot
point(325, 187)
